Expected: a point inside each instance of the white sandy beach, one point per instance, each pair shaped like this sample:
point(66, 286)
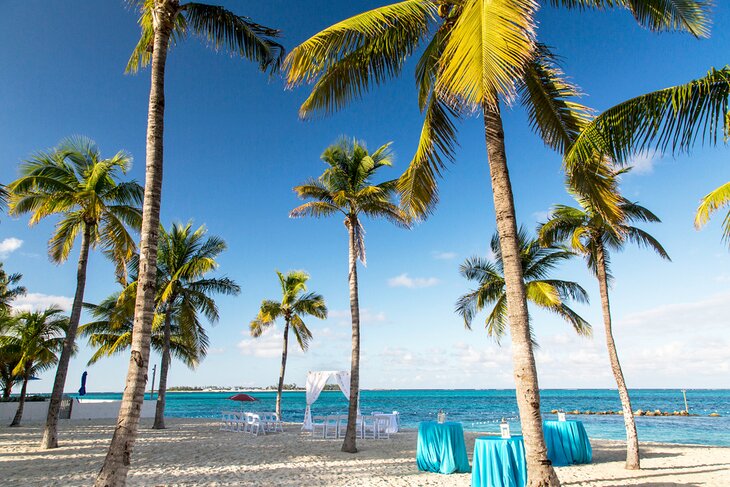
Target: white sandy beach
point(195, 452)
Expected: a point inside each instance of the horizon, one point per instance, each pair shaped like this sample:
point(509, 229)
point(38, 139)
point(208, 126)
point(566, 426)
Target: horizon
point(234, 148)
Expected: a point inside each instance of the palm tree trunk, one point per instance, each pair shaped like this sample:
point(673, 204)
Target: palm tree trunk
point(50, 432)
point(116, 464)
point(632, 439)
point(349, 445)
point(21, 400)
point(284, 353)
point(159, 423)
point(541, 472)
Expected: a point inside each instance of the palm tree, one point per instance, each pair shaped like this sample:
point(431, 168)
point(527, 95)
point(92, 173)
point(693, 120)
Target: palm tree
point(37, 337)
point(162, 24)
point(589, 234)
point(9, 356)
point(477, 53)
point(9, 288)
point(346, 187)
point(294, 305)
point(74, 181)
point(111, 332)
point(184, 258)
point(716, 199)
point(546, 293)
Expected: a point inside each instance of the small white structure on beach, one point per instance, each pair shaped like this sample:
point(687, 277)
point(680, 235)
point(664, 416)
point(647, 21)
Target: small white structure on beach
point(315, 384)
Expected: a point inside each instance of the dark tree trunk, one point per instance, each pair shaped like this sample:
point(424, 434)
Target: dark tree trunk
point(541, 472)
point(50, 432)
point(349, 445)
point(159, 423)
point(119, 456)
point(632, 439)
point(21, 401)
point(284, 354)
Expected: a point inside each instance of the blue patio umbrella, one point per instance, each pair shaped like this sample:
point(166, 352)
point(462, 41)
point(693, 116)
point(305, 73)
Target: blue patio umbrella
point(82, 390)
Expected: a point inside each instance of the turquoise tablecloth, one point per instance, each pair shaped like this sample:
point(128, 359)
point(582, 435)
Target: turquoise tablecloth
point(499, 462)
point(567, 443)
point(441, 448)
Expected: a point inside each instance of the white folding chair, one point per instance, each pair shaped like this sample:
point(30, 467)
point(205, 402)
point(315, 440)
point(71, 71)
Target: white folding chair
point(341, 425)
point(278, 423)
point(318, 427)
point(369, 427)
point(382, 426)
point(254, 424)
point(225, 421)
point(331, 424)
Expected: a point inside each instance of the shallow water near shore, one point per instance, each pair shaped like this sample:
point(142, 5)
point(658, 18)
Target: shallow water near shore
point(482, 410)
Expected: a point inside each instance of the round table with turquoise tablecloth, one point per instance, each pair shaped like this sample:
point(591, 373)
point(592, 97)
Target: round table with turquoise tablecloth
point(441, 448)
point(499, 462)
point(567, 443)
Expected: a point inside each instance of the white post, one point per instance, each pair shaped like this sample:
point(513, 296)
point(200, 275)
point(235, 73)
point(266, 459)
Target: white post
point(686, 407)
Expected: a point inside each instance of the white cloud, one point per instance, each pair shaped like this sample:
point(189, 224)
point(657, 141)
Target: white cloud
point(268, 345)
point(39, 301)
point(681, 317)
point(9, 245)
point(644, 162)
point(404, 280)
point(444, 255)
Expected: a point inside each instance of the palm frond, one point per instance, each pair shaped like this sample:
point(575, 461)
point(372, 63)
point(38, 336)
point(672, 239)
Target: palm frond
point(237, 34)
point(488, 47)
point(669, 120)
point(712, 202)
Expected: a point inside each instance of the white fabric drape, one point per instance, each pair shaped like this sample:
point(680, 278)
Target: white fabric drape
point(315, 384)
point(343, 380)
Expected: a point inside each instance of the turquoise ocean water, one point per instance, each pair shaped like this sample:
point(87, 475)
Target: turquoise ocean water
point(482, 410)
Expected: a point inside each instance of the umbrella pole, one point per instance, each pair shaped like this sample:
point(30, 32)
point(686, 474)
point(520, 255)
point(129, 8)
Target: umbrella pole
point(152, 390)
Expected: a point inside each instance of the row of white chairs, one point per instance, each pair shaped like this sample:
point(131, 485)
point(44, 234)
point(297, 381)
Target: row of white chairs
point(335, 426)
point(252, 423)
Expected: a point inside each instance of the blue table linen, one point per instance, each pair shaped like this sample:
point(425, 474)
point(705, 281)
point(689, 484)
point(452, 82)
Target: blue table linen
point(567, 443)
point(441, 448)
point(499, 462)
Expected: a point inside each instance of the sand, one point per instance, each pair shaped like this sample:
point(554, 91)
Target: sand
point(195, 452)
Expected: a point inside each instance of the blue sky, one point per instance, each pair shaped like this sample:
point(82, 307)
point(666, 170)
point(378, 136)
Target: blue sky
point(234, 148)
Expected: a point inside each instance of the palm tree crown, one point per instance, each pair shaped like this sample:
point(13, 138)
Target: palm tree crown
point(75, 181)
point(110, 332)
point(38, 336)
point(587, 232)
point(217, 26)
point(9, 288)
point(546, 293)
point(346, 187)
point(185, 257)
point(294, 305)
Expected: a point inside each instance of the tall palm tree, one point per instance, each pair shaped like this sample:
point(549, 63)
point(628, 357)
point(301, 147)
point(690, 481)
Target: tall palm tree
point(9, 288)
point(76, 183)
point(477, 54)
point(542, 291)
point(184, 259)
point(346, 188)
point(110, 332)
point(589, 234)
point(294, 305)
point(712, 202)
point(38, 338)
point(162, 24)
